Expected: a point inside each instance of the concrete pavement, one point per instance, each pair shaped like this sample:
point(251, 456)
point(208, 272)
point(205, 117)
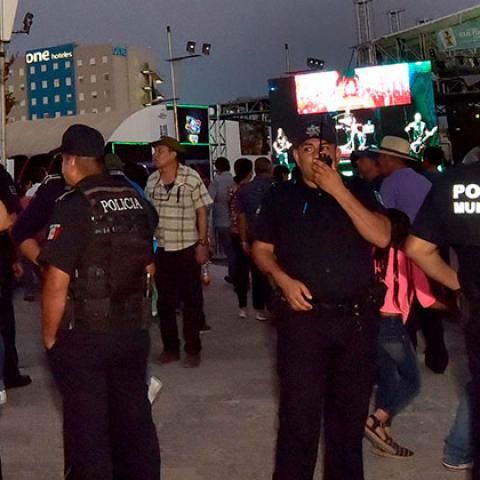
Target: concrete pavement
point(218, 422)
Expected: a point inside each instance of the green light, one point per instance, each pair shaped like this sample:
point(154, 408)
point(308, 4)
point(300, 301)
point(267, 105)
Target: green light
point(195, 144)
point(127, 143)
point(186, 105)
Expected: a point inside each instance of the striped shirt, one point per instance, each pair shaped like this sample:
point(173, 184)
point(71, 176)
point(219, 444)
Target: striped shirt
point(176, 208)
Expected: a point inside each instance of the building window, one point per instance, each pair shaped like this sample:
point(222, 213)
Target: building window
point(34, 116)
point(108, 109)
point(45, 100)
point(55, 66)
point(23, 118)
point(79, 63)
point(104, 59)
point(22, 87)
point(21, 72)
point(68, 64)
point(43, 68)
point(93, 61)
point(58, 114)
point(94, 110)
point(34, 102)
point(93, 78)
point(82, 112)
point(70, 112)
point(44, 84)
point(106, 77)
point(22, 103)
point(11, 119)
point(46, 115)
point(94, 95)
point(32, 70)
point(33, 86)
point(81, 97)
point(56, 83)
point(57, 98)
point(68, 81)
point(69, 97)
point(80, 79)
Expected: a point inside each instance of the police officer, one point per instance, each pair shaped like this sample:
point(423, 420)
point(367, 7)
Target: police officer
point(450, 216)
point(97, 254)
point(9, 267)
point(314, 239)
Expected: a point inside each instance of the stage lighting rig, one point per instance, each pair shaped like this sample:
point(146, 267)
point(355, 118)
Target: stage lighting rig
point(315, 63)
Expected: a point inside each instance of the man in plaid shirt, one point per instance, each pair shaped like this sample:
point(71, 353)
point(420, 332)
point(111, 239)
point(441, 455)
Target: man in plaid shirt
point(181, 199)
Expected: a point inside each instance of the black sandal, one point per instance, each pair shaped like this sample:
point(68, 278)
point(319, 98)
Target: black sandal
point(386, 447)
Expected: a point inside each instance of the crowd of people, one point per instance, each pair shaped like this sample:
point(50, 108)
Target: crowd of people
point(349, 271)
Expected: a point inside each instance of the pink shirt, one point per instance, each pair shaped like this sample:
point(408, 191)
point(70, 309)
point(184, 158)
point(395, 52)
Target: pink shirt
point(420, 287)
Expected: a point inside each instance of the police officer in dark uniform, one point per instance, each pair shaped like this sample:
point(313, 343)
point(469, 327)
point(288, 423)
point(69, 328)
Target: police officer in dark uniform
point(314, 239)
point(450, 217)
point(9, 267)
point(94, 305)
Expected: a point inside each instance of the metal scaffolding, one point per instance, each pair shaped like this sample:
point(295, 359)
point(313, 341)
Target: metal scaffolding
point(365, 32)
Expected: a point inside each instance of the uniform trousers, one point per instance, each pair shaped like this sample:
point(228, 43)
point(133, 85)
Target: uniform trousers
point(177, 277)
point(7, 329)
point(107, 419)
point(326, 368)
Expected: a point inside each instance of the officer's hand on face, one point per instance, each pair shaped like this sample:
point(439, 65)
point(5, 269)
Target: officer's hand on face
point(327, 177)
point(296, 294)
point(17, 268)
point(201, 254)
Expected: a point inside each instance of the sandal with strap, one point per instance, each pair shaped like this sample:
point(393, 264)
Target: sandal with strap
point(385, 447)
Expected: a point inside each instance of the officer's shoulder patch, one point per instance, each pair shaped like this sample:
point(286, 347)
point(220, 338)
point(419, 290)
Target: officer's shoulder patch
point(54, 232)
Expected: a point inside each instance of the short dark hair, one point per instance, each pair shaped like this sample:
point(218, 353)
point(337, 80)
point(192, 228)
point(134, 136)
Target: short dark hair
point(279, 171)
point(222, 164)
point(243, 168)
point(434, 155)
point(262, 165)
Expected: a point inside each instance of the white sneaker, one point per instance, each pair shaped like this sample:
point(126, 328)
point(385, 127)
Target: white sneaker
point(154, 388)
point(242, 313)
point(3, 397)
point(260, 316)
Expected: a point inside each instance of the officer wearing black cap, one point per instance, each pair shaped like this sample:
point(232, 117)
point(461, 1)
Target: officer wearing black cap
point(94, 316)
point(450, 217)
point(314, 239)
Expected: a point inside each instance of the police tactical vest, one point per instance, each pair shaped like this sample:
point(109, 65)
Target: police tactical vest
point(108, 288)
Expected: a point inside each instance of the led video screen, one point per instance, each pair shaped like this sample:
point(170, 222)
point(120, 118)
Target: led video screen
point(372, 87)
point(193, 125)
point(362, 107)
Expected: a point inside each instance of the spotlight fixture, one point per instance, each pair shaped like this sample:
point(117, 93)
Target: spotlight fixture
point(206, 48)
point(315, 63)
point(191, 46)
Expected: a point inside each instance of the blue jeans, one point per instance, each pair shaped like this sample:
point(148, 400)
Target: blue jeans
point(459, 443)
point(398, 375)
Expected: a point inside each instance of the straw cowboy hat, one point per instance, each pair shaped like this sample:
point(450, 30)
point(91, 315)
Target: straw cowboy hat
point(397, 147)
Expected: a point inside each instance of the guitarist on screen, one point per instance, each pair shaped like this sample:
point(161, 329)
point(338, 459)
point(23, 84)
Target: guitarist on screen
point(418, 134)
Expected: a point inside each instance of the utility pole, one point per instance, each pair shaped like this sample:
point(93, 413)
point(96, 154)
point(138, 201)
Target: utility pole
point(174, 85)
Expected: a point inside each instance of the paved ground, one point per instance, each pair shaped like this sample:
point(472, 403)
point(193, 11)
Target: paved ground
point(217, 422)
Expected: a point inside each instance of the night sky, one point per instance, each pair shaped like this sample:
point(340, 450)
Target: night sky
point(247, 36)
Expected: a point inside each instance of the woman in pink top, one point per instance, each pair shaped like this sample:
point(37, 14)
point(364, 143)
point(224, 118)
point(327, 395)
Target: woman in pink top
point(399, 375)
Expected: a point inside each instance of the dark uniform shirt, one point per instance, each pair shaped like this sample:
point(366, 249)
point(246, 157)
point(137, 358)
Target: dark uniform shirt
point(450, 216)
point(9, 198)
point(316, 242)
point(71, 228)
point(39, 211)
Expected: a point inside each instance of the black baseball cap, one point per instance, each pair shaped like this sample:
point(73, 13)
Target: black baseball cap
point(322, 128)
point(83, 141)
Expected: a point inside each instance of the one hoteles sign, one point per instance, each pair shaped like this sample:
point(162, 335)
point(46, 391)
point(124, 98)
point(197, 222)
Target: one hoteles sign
point(46, 56)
